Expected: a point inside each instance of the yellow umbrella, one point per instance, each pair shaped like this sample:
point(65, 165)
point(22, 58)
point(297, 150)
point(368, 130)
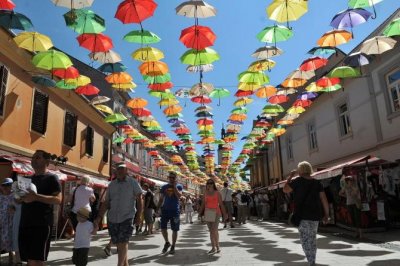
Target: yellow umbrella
point(334, 38)
point(205, 127)
point(147, 54)
point(261, 65)
point(266, 91)
point(295, 110)
point(121, 77)
point(104, 108)
point(243, 101)
point(285, 122)
point(208, 139)
point(172, 110)
point(124, 86)
point(153, 123)
point(79, 81)
point(33, 41)
point(313, 87)
point(287, 10)
point(168, 102)
point(278, 131)
point(248, 86)
point(136, 103)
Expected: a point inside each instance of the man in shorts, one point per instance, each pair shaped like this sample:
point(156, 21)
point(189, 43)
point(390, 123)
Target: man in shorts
point(37, 212)
point(120, 202)
point(169, 202)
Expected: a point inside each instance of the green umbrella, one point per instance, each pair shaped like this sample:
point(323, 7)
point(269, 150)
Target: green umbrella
point(239, 110)
point(51, 59)
point(117, 117)
point(253, 77)
point(84, 21)
point(155, 128)
point(219, 93)
point(332, 88)
point(178, 115)
point(199, 57)
point(344, 72)
point(142, 36)
point(162, 94)
point(157, 79)
point(185, 136)
point(393, 29)
point(118, 140)
point(274, 34)
point(364, 4)
point(219, 141)
point(273, 108)
point(13, 20)
point(66, 86)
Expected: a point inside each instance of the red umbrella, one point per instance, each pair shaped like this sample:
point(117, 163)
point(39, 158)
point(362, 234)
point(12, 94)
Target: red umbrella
point(153, 153)
point(177, 142)
point(205, 121)
point(241, 93)
point(135, 11)
point(68, 73)
point(246, 151)
point(128, 141)
point(263, 124)
point(201, 99)
point(277, 99)
point(141, 111)
point(197, 37)
point(88, 89)
point(313, 63)
point(302, 103)
point(95, 42)
point(160, 86)
point(327, 82)
point(7, 4)
point(182, 130)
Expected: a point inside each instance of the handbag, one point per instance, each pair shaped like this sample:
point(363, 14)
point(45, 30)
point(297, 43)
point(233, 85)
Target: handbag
point(210, 215)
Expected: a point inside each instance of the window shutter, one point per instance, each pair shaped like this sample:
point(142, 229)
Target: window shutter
point(39, 112)
point(70, 129)
point(105, 150)
point(3, 87)
point(89, 141)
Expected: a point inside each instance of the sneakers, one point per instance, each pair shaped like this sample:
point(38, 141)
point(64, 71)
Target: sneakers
point(166, 247)
point(107, 250)
point(172, 250)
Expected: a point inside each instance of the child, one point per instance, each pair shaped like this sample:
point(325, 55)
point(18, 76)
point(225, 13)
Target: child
point(83, 234)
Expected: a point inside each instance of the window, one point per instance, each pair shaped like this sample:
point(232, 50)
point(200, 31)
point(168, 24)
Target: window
point(344, 120)
point(289, 147)
point(393, 84)
point(312, 136)
point(3, 87)
point(39, 112)
point(70, 129)
point(105, 149)
point(89, 141)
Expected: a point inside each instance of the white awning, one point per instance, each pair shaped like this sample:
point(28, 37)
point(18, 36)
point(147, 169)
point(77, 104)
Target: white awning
point(158, 183)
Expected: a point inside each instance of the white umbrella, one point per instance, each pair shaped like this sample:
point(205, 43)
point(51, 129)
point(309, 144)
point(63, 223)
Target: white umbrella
point(200, 68)
point(196, 9)
point(298, 74)
point(100, 99)
point(106, 57)
point(377, 45)
point(73, 4)
point(267, 52)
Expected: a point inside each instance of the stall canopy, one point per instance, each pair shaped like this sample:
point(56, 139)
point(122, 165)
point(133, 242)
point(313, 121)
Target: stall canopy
point(157, 183)
point(97, 181)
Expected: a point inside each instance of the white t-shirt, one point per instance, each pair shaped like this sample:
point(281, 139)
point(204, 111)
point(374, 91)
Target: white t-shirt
point(226, 194)
point(83, 234)
point(82, 198)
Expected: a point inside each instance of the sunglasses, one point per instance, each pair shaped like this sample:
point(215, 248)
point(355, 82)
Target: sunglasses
point(210, 183)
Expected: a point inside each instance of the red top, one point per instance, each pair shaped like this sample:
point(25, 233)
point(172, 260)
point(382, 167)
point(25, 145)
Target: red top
point(212, 201)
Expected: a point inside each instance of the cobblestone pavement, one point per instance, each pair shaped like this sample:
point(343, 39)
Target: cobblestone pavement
point(255, 243)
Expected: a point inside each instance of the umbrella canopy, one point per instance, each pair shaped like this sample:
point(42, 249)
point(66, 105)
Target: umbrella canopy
point(87, 89)
point(135, 11)
point(100, 99)
point(44, 81)
point(201, 99)
point(136, 103)
point(104, 108)
point(327, 82)
point(219, 93)
point(182, 93)
point(267, 52)
point(196, 9)
point(240, 93)
point(63, 85)
point(350, 17)
point(393, 29)
point(261, 65)
point(153, 68)
point(313, 63)
point(298, 74)
point(287, 10)
point(249, 86)
point(161, 86)
point(141, 111)
point(73, 4)
point(157, 78)
point(13, 20)
point(302, 103)
point(95, 42)
point(323, 51)
point(112, 67)
point(7, 4)
point(67, 73)
point(117, 117)
point(199, 57)
point(237, 117)
point(334, 38)
point(121, 77)
point(79, 81)
point(203, 108)
point(344, 72)
point(307, 95)
point(293, 82)
point(242, 101)
point(105, 57)
point(200, 89)
point(200, 68)
point(84, 21)
point(332, 88)
point(239, 110)
point(124, 86)
point(312, 87)
point(168, 102)
point(277, 99)
point(51, 59)
point(147, 54)
point(357, 59)
point(142, 36)
point(33, 41)
point(197, 37)
point(205, 121)
point(377, 45)
point(256, 77)
point(173, 109)
point(162, 94)
point(274, 34)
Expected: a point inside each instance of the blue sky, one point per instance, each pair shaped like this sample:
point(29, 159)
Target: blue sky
point(236, 26)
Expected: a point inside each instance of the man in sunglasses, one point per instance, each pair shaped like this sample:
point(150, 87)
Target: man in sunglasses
point(169, 203)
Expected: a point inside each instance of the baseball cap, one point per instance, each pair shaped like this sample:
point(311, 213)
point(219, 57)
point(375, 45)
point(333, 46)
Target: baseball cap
point(7, 181)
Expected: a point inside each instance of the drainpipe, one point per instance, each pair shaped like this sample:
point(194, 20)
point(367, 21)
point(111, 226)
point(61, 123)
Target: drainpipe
point(280, 157)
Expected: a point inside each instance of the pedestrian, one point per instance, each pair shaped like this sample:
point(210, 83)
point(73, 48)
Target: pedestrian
point(149, 207)
point(352, 194)
point(121, 197)
point(212, 207)
point(6, 218)
point(170, 195)
point(83, 234)
point(189, 209)
point(309, 201)
point(37, 211)
point(82, 196)
point(241, 207)
point(265, 207)
point(226, 194)
point(16, 219)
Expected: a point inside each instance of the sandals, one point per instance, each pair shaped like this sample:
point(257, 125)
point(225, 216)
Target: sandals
point(212, 251)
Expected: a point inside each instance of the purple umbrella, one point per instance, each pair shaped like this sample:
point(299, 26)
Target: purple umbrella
point(177, 124)
point(349, 18)
point(307, 96)
point(174, 120)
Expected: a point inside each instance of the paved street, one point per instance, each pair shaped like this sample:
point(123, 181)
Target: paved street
point(256, 243)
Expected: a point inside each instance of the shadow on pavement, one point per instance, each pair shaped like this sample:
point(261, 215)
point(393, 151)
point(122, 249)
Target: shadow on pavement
point(384, 262)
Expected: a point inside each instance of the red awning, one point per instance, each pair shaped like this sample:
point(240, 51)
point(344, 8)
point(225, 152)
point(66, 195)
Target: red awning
point(97, 181)
point(132, 166)
point(19, 164)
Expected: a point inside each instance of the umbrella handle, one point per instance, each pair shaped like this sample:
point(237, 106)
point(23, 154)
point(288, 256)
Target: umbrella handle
point(373, 7)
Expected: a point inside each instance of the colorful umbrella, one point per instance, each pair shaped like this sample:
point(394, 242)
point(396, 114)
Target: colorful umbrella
point(51, 59)
point(349, 18)
point(393, 29)
point(33, 41)
point(112, 67)
point(277, 99)
point(312, 87)
point(160, 86)
point(68, 73)
point(200, 68)
point(239, 110)
point(104, 108)
point(334, 38)
point(240, 93)
point(13, 20)
point(267, 52)
point(73, 4)
point(120, 77)
point(201, 89)
point(44, 81)
point(141, 111)
point(157, 78)
point(199, 57)
point(100, 99)
point(219, 93)
point(153, 68)
point(117, 117)
point(79, 81)
point(197, 37)
point(323, 51)
point(63, 85)
point(135, 11)
point(118, 140)
point(298, 74)
point(7, 4)
point(256, 77)
point(307, 95)
point(95, 42)
point(196, 9)
point(173, 109)
point(327, 82)
point(168, 102)
point(332, 88)
point(261, 65)
point(377, 45)
point(136, 103)
point(162, 94)
point(201, 99)
point(147, 54)
point(357, 59)
point(142, 37)
point(105, 57)
point(363, 4)
point(205, 121)
point(313, 63)
point(274, 34)
point(124, 86)
point(243, 101)
point(182, 93)
point(84, 21)
point(302, 103)
point(287, 10)
point(293, 82)
point(344, 72)
point(249, 86)
point(87, 89)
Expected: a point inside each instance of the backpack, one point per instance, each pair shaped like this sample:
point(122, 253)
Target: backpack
point(244, 198)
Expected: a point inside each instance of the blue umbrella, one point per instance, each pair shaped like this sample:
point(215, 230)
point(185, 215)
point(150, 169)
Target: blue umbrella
point(174, 120)
point(44, 81)
point(349, 18)
point(112, 68)
point(178, 124)
point(235, 122)
point(204, 114)
point(13, 20)
point(323, 51)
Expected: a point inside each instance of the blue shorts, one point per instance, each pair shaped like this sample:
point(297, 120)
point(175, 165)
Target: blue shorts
point(172, 217)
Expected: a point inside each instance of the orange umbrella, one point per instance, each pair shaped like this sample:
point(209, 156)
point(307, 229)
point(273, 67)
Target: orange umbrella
point(293, 82)
point(153, 68)
point(172, 110)
point(121, 77)
point(136, 103)
point(237, 117)
point(334, 38)
point(266, 91)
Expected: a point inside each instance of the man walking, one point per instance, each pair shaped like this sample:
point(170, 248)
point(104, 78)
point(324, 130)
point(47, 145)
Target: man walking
point(37, 212)
point(120, 202)
point(169, 203)
point(226, 194)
